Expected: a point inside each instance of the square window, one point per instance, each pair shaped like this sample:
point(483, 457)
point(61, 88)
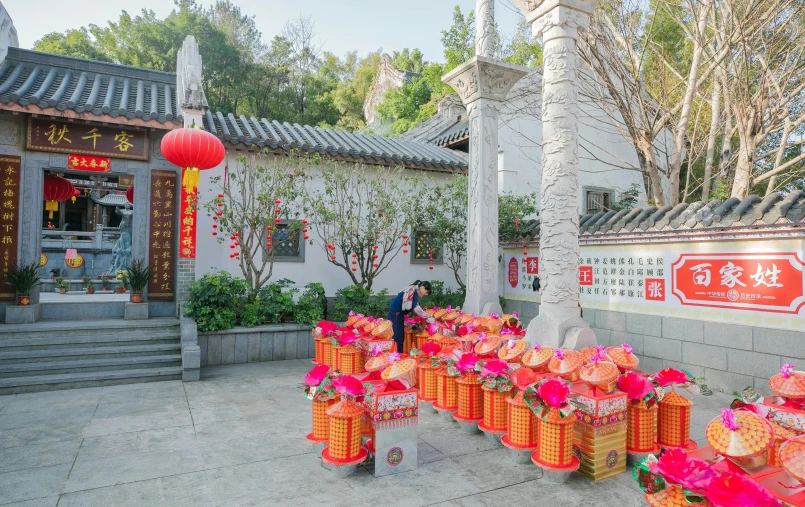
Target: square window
point(287, 243)
point(598, 200)
point(424, 243)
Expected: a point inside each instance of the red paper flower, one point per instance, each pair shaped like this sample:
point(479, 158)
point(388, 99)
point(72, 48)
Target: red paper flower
point(327, 327)
point(786, 370)
point(495, 367)
point(433, 328)
point(431, 348)
point(347, 337)
point(317, 375)
point(728, 419)
point(635, 385)
point(523, 378)
point(671, 376)
point(732, 490)
point(690, 473)
point(348, 385)
point(467, 362)
point(554, 392)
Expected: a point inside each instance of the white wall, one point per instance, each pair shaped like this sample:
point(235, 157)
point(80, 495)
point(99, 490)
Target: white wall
point(212, 256)
point(603, 151)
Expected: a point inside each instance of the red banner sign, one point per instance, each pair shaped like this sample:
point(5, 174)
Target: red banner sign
point(514, 272)
point(585, 275)
point(532, 265)
point(187, 223)
point(89, 163)
point(767, 282)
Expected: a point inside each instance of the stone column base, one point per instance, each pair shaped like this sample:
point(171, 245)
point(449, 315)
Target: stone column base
point(136, 311)
point(23, 314)
point(564, 332)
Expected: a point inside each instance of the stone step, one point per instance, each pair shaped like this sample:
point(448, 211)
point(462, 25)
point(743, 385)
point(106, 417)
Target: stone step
point(28, 384)
point(88, 365)
point(56, 353)
point(44, 342)
point(66, 329)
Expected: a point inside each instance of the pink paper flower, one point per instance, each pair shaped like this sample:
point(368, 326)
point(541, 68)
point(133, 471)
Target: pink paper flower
point(493, 316)
point(786, 370)
point(728, 419)
point(482, 337)
point(511, 344)
point(431, 348)
point(348, 385)
point(690, 473)
point(351, 313)
point(554, 392)
point(394, 357)
point(433, 328)
point(627, 348)
point(537, 346)
point(523, 378)
point(371, 319)
point(494, 367)
point(376, 351)
point(670, 376)
point(467, 362)
point(327, 327)
point(635, 385)
point(317, 375)
point(514, 314)
point(732, 490)
point(505, 331)
point(559, 354)
point(347, 337)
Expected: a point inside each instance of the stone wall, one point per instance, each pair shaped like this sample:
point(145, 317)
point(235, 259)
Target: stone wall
point(730, 357)
point(257, 344)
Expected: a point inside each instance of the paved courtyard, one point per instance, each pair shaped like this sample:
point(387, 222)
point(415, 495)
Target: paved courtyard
point(237, 439)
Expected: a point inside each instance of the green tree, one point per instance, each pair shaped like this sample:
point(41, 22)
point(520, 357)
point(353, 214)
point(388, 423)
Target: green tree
point(459, 39)
point(76, 43)
point(446, 215)
point(408, 60)
point(512, 211)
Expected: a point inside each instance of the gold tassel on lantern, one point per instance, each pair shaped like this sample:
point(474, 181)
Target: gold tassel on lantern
point(190, 179)
point(51, 206)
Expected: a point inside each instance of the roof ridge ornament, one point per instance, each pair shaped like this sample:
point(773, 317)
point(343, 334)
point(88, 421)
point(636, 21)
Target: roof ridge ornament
point(189, 90)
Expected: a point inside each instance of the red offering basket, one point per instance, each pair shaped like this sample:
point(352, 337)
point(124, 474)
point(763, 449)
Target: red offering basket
point(555, 450)
point(673, 422)
point(496, 411)
point(344, 443)
point(641, 434)
point(522, 428)
point(447, 391)
point(470, 399)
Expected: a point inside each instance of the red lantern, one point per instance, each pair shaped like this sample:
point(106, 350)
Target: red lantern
point(405, 251)
point(76, 193)
point(220, 195)
point(56, 190)
point(354, 269)
point(214, 233)
point(277, 202)
point(194, 150)
point(332, 257)
point(304, 222)
point(375, 265)
point(307, 237)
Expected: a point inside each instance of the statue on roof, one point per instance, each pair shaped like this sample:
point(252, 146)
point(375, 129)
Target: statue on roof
point(190, 93)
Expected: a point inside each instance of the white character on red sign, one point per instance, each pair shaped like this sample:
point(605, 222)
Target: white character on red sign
point(760, 277)
point(701, 275)
point(730, 274)
point(532, 265)
point(655, 290)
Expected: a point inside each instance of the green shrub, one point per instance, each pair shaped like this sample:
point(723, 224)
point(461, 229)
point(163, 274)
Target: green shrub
point(441, 297)
point(311, 305)
point(360, 300)
point(253, 313)
point(278, 301)
point(215, 300)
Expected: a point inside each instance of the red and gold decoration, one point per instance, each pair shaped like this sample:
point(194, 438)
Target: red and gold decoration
point(130, 195)
point(673, 422)
point(56, 190)
point(742, 436)
point(522, 429)
point(43, 260)
point(600, 432)
point(447, 391)
point(600, 373)
point(496, 385)
point(346, 425)
point(89, 163)
point(470, 397)
point(188, 212)
point(75, 262)
point(566, 364)
point(427, 381)
point(46, 134)
point(641, 435)
point(319, 389)
point(161, 242)
point(194, 150)
point(537, 358)
point(789, 384)
point(556, 421)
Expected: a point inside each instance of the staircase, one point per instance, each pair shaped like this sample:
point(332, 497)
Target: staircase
point(52, 355)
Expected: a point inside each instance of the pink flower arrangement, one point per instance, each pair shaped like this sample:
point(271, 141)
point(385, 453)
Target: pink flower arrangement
point(433, 328)
point(523, 378)
point(786, 370)
point(537, 346)
point(467, 362)
point(732, 490)
point(690, 473)
point(495, 367)
point(464, 330)
point(554, 392)
point(317, 375)
point(728, 419)
point(559, 354)
point(394, 357)
point(506, 331)
point(635, 385)
point(326, 327)
point(431, 348)
point(347, 337)
point(627, 348)
point(348, 385)
point(671, 376)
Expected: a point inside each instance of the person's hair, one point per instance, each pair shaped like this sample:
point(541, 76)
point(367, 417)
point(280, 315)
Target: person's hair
point(425, 284)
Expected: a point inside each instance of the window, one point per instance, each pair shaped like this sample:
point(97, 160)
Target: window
point(598, 200)
point(424, 243)
point(286, 242)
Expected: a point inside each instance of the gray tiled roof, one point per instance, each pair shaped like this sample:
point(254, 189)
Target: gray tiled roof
point(458, 132)
point(773, 209)
point(110, 199)
point(45, 80)
point(371, 149)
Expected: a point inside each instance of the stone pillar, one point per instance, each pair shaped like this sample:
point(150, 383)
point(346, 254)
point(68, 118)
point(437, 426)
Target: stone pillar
point(559, 322)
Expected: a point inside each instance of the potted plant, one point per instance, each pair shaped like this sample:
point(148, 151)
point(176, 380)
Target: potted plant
point(90, 285)
point(23, 278)
point(137, 275)
point(86, 280)
point(62, 285)
point(124, 282)
point(104, 281)
point(54, 272)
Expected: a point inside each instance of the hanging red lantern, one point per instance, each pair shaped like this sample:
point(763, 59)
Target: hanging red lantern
point(220, 205)
point(375, 265)
point(277, 202)
point(307, 237)
point(193, 150)
point(332, 257)
point(130, 195)
point(354, 269)
point(354, 262)
point(405, 236)
point(304, 230)
point(277, 211)
point(220, 196)
point(276, 220)
point(237, 234)
point(214, 226)
point(214, 233)
point(76, 194)
point(374, 257)
point(431, 268)
point(232, 247)
point(304, 222)
point(220, 213)
point(354, 256)
point(405, 251)
point(56, 190)
point(375, 247)
point(215, 217)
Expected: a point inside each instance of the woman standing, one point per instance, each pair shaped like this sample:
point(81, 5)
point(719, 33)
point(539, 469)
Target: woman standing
point(406, 302)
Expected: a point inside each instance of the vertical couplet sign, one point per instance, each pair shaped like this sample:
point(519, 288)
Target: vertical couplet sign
point(9, 220)
point(161, 242)
point(187, 224)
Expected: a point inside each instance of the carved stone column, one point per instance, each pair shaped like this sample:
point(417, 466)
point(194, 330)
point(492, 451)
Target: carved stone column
point(483, 83)
point(559, 322)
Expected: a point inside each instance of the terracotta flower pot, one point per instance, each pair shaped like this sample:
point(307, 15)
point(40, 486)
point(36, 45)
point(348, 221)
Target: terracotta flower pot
point(120, 290)
point(136, 298)
point(90, 291)
point(23, 300)
point(62, 290)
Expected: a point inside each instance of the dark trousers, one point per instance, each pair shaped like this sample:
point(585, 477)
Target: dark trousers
point(398, 326)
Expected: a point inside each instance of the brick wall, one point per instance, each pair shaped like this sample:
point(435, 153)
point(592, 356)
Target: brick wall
point(186, 275)
point(730, 357)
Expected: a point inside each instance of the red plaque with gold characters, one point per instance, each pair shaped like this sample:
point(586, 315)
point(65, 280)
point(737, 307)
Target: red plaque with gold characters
point(161, 239)
point(187, 223)
point(45, 134)
point(9, 221)
point(89, 163)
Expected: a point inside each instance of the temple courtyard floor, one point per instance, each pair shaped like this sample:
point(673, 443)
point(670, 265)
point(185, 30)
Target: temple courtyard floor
point(237, 438)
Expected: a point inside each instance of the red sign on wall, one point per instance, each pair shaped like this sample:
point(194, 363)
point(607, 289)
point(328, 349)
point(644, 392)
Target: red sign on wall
point(89, 163)
point(767, 282)
point(655, 289)
point(187, 223)
point(514, 272)
point(585, 275)
point(532, 265)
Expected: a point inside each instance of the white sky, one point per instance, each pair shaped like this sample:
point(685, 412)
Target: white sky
point(344, 25)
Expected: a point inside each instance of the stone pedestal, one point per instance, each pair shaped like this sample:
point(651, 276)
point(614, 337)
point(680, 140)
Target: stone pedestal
point(136, 311)
point(559, 323)
point(482, 84)
point(23, 314)
point(191, 352)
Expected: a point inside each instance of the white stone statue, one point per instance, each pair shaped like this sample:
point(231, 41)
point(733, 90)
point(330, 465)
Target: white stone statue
point(8, 34)
point(189, 92)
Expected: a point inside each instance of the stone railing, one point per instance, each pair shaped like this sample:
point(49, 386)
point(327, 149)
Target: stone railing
point(275, 342)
